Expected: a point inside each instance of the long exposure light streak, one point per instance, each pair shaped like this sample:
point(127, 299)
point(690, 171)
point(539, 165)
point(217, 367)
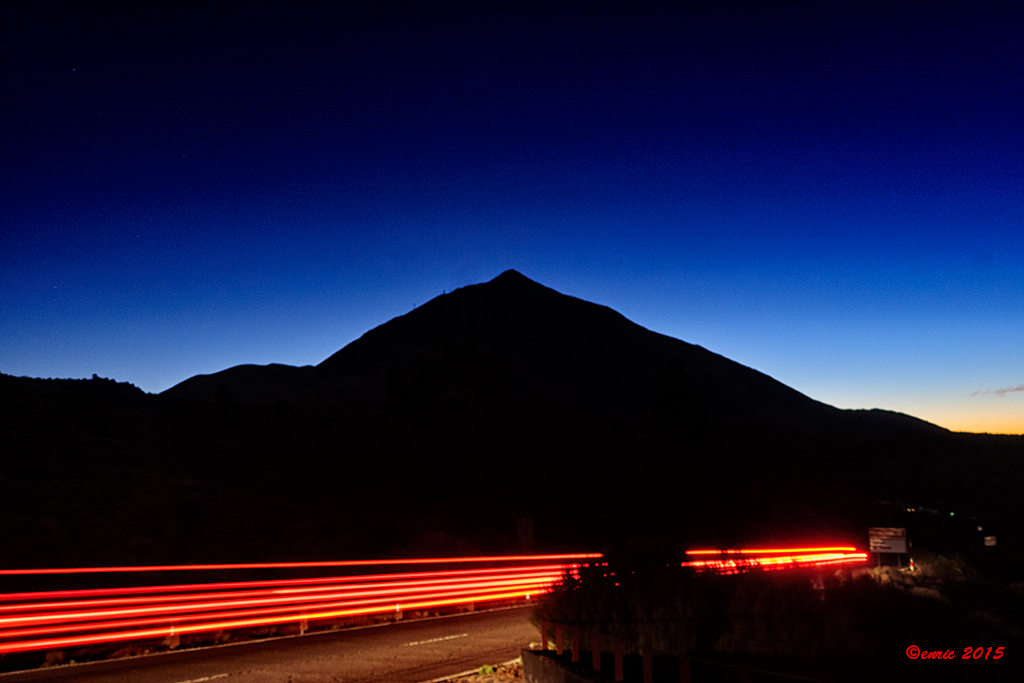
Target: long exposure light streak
point(774, 551)
point(393, 592)
point(40, 620)
point(172, 588)
point(354, 589)
point(296, 608)
point(773, 558)
point(25, 646)
point(293, 565)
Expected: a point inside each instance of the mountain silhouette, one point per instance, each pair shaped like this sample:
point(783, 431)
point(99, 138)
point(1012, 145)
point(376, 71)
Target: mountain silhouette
point(514, 344)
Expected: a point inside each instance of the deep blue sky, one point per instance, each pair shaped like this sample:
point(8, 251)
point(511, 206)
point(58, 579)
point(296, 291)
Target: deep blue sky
point(832, 196)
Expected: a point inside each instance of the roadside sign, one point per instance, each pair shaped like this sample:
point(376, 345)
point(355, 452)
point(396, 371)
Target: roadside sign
point(887, 540)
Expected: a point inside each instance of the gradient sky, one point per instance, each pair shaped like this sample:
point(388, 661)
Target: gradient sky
point(834, 197)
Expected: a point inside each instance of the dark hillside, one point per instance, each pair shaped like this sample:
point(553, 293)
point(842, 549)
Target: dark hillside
point(92, 476)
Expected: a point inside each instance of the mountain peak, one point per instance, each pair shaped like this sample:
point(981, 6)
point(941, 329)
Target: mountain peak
point(513, 276)
point(515, 284)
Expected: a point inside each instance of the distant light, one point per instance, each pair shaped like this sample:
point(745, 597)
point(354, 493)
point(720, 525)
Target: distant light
point(979, 528)
point(950, 514)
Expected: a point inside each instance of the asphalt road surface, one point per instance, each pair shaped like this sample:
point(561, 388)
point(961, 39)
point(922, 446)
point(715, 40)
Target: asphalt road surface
point(404, 652)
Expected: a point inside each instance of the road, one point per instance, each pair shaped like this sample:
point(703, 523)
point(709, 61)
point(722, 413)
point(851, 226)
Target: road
point(405, 652)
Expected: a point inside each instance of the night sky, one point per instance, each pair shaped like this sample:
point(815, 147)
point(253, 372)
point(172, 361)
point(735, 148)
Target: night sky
point(834, 197)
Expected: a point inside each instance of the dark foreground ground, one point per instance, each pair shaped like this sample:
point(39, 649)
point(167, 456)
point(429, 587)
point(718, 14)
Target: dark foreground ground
point(547, 667)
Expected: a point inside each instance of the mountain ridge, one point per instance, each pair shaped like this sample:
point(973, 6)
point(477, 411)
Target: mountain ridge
point(528, 330)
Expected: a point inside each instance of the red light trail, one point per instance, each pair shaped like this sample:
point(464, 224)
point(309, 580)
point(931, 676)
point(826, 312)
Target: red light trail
point(391, 592)
point(293, 565)
point(736, 561)
point(517, 573)
point(773, 551)
point(252, 584)
point(41, 620)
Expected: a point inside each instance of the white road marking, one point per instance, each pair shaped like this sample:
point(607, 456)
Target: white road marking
point(205, 678)
point(435, 640)
point(470, 672)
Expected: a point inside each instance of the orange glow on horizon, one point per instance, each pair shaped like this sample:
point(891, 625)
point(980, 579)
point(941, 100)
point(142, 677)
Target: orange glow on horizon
point(982, 413)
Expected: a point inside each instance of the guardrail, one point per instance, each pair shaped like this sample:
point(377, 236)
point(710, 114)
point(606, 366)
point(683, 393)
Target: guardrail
point(69, 618)
point(600, 643)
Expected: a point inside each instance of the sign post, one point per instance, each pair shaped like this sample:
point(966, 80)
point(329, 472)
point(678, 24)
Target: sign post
point(887, 540)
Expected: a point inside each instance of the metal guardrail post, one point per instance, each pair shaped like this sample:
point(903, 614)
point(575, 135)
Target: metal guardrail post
point(648, 659)
point(617, 646)
point(684, 669)
point(173, 640)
